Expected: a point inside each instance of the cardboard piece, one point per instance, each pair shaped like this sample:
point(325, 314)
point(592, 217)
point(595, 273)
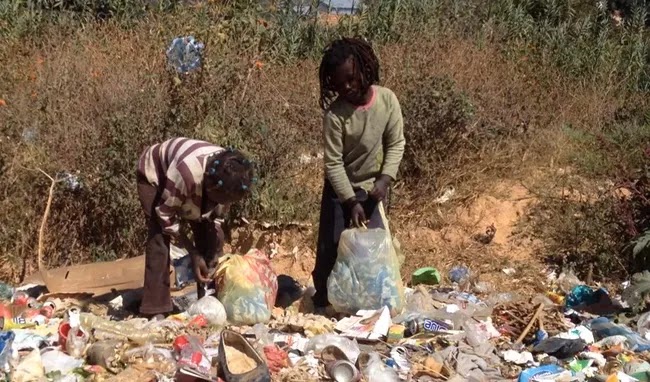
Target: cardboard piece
point(95, 278)
point(134, 374)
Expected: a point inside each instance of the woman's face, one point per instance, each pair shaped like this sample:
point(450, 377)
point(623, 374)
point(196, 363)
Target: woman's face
point(346, 84)
point(222, 197)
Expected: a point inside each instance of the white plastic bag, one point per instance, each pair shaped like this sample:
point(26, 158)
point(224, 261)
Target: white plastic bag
point(55, 360)
point(643, 325)
point(366, 275)
point(30, 368)
point(349, 347)
point(211, 309)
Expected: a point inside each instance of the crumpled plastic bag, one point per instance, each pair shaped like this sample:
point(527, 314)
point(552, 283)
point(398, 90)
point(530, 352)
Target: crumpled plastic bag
point(211, 308)
point(54, 359)
point(107, 354)
point(366, 275)
point(349, 347)
point(643, 325)
point(30, 368)
point(6, 341)
point(185, 54)
point(560, 348)
point(137, 330)
point(26, 339)
point(247, 287)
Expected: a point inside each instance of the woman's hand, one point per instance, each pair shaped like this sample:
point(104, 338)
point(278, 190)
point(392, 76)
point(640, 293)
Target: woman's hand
point(357, 214)
point(380, 190)
point(221, 239)
point(200, 268)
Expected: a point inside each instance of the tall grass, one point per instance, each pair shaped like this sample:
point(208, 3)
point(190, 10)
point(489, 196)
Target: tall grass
point(87, 89)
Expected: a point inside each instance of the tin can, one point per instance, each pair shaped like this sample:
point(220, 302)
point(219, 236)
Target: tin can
point(7, 324)
point(427, 325)
point(20, 298)
point(33, 316)
point(48, 309)
point(32, 303)
point(343, 371)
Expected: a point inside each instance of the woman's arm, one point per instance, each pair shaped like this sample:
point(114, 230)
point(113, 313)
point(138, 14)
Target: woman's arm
point(394, 144)
point(173, 197)
point(394, 141)
point(333, 158)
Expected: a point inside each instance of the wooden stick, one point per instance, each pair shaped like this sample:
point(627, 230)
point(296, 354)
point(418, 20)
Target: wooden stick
point(46, 213)
point(523, 335)
point(248, 77)
point(514, 317)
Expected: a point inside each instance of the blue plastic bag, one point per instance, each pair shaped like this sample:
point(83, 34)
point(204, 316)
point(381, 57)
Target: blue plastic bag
point(6, 340)
point(584, 295)
point(185, 54)
point(602, 327)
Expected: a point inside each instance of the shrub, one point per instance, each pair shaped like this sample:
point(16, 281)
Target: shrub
point(437, 121)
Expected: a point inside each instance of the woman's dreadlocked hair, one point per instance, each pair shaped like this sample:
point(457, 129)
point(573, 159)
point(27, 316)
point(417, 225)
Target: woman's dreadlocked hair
point(366, 66)
point(231, 171)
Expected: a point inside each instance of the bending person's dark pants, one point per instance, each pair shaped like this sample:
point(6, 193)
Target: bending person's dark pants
point(156, 298)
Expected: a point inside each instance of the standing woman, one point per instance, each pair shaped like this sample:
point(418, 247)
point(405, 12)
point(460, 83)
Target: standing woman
point(189, 181)
point(364, 145)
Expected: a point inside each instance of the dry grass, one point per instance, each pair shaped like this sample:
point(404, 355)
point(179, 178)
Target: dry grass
point(96, 96)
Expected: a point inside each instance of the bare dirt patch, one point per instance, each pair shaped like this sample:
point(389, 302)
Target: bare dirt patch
point(454, 243)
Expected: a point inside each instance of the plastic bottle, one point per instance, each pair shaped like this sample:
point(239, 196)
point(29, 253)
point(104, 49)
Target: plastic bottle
point(459, 274)
point(567, 281)
point(400, 356)
point(475, 334)
point(537, 372)
point(377, 371)
point(20, 298)
point(262, 334)
point(501, 298)
point(134, 330)
point(76, 342)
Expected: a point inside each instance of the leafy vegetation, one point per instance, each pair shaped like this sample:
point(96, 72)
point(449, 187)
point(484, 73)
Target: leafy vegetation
point(489, 90)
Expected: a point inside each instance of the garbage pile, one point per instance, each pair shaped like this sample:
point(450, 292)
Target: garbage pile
point(447, 329)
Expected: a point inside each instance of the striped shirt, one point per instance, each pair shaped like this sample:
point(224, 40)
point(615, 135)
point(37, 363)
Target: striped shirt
point(177, 166)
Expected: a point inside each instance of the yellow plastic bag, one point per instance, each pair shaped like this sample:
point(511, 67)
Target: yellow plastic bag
point(366, 274)
point(247, 287)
